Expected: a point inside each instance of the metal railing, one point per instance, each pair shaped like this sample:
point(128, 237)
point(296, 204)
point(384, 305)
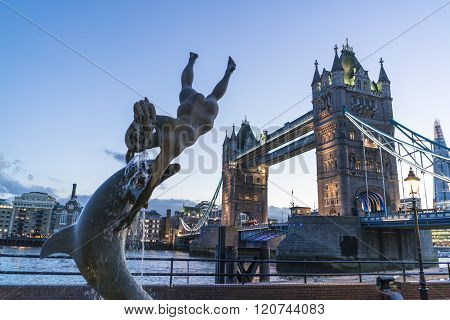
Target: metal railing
point(426, 218)
point(398, 268)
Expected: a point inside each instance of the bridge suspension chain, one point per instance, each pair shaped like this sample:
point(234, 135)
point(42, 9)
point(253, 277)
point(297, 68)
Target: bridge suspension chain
point(410, 149)
point(206, 213)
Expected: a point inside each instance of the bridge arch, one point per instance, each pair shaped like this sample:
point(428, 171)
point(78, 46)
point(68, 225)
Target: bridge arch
point(369, 201)
point(247, 218)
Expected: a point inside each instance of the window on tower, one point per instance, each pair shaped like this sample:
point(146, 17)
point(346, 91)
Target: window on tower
point(352, 135)
point(358, 84)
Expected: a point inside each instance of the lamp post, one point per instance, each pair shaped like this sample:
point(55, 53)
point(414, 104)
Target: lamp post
point(413, 185)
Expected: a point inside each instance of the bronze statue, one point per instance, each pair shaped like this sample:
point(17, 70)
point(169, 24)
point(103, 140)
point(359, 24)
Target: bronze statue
point(97, 240)
point(195, 117)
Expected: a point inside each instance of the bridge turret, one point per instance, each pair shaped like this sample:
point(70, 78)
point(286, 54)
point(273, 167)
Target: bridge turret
point(325, 79)
point(233, 142)
point(337, 71)
point(226, 152)
point(384, 84)
point(315, 85)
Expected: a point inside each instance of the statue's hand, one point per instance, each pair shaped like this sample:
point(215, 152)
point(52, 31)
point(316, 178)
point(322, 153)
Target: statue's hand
point(144, 113)
point(141, 134)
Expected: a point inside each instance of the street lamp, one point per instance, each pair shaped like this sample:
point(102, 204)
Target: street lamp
point(413, 186)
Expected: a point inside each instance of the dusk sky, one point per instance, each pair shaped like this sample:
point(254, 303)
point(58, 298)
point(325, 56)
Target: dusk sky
point(70, 72)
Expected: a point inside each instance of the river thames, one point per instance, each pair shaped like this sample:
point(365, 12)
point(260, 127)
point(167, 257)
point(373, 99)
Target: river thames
point(68, 265)
point(27, 264)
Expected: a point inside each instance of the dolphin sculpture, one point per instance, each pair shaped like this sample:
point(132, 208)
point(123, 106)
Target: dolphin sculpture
point(97, 240)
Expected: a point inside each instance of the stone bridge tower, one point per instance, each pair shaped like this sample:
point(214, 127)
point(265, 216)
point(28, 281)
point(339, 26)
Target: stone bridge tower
point(342, 164)
point(244, 191)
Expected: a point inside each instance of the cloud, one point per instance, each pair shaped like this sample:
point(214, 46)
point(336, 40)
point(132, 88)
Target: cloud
point(116, 155)
point(11, 186)
point(30, 177)
point(55, 180)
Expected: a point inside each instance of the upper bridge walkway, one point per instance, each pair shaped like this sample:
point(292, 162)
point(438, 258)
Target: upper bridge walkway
point(289, 132)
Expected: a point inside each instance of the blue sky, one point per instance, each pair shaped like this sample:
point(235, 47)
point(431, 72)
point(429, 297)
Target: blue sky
point(59, 113)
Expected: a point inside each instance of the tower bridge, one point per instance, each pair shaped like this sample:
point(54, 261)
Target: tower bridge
point(350, 175)
point(352, 129)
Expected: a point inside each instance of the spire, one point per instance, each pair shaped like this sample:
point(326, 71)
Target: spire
point(383, 76)
point(316, 78)
point(233, 134)
point(227, 139)
point(337, 66)
point(74, 191)
point(346, 47)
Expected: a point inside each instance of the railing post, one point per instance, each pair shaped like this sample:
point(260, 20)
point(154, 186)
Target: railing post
point(171, 272)
point(448, 268)
point(404, 272)
point(359, 271)
point(187, 272)
point(304, 272)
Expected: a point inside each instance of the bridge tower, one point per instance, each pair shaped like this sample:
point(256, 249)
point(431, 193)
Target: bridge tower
point(244, 191)
point(353, 177)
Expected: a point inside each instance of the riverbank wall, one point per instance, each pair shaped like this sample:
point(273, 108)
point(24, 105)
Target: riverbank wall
point(290, 291)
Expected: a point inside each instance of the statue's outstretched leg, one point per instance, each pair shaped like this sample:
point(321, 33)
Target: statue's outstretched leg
point(221, 87)
point(187, 77)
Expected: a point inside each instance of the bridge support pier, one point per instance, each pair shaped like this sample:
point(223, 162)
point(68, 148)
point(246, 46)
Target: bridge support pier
point(264, 268)
point(226, 249)
point(231, 253)
point(342, 238)
point(220, 254)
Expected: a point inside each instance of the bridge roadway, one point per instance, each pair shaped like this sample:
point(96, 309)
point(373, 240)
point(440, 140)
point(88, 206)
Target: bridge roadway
point(289, 132)
point(427, 220)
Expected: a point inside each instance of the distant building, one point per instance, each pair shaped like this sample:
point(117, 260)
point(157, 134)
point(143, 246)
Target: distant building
point(198, 210)
point(32, 215)
point(166, 231)
point(65, 215)
point(441, 189)
point(300, 211)
point(6, 211)
point(191, 212)
point(147, 229)
point(215, 212)
point(152, 224)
